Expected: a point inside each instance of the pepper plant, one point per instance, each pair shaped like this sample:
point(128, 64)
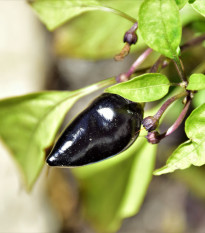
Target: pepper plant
point(115, 188)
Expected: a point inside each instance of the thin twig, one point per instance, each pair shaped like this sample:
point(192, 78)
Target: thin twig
point(162, 62)
point(179, 120)
point(179, 67)
point(167, 103)
point(150, 123)
point(126, 76)
point(138, 62)
point(157, 65)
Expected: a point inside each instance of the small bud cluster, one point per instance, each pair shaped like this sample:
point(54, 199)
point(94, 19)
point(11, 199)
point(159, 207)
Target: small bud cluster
point(130, 37)
point(150, 123)
point(154, 137)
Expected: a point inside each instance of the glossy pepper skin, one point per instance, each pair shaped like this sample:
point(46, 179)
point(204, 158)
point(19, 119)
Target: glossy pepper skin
point(108, 126)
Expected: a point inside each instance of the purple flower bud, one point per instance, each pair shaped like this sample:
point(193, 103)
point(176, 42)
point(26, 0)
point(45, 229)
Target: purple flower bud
point(150, 123)
point(154, 137)
point(130, 37)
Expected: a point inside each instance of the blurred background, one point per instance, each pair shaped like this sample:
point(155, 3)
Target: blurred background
point(34, 59)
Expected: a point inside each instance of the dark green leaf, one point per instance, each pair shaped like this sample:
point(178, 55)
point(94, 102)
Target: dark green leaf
point(198, 26)
point(191, 1)
point(29, 124)
point(54, 13)
point(114, 189)
point(160, 26)
point(181, 3)
point(199, 6)
point(144, 88)
point(196, 82)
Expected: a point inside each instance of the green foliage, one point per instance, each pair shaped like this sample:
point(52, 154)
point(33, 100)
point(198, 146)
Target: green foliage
point(29, 125)
point(195, 125)
point(114, 189)
point(54, 13)
point(181, 3)
point(144, 88)
point(191, 151)
point(199, 6)
point(160, 26)
point(196, 82)
point(199, 98)
point(100, 33)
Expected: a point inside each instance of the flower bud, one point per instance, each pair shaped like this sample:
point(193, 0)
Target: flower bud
point(154, 137)
point(150, 123)
point(130, 37)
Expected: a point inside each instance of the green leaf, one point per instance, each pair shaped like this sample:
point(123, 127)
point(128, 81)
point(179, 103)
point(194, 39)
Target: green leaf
point(181, 3)
point(87, 36)
point(183, 157)
point(192, 151)
point(195, 124)
point(198, 26)
point(54, 13)
point(29, 124)
point(144, 88)
point(199, 98)
point(139, 179)
point(199, 6)
point(196, 82)
point(114, 189)
point(160, 26)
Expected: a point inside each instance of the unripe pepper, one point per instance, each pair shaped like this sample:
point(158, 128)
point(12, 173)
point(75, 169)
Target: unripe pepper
point(108, 126)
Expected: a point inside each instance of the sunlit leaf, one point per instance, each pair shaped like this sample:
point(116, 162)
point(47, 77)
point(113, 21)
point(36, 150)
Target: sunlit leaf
point(54, 13)
point(181, 3)
point(114, 189)
point(160, 26)
point(144, 88)
point(29, 124)
point(195, 125)
point(196, 82)
point(190, 152)
point(139, 179)
point(199, 6)
point(199, 98)
point(96, 35)
point(183, 157)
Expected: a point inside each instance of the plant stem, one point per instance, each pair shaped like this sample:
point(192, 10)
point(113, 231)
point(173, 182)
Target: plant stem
point(96, 86)
point(180, 68)
point(154, 137)
point(106, 82)
point(134, 27)
point(117, 12)
point(150, 123)
point(162, 62)
point(138, 62)
point(157, 65)
point(126, 76)
point(179, 119)
point(168, 103)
